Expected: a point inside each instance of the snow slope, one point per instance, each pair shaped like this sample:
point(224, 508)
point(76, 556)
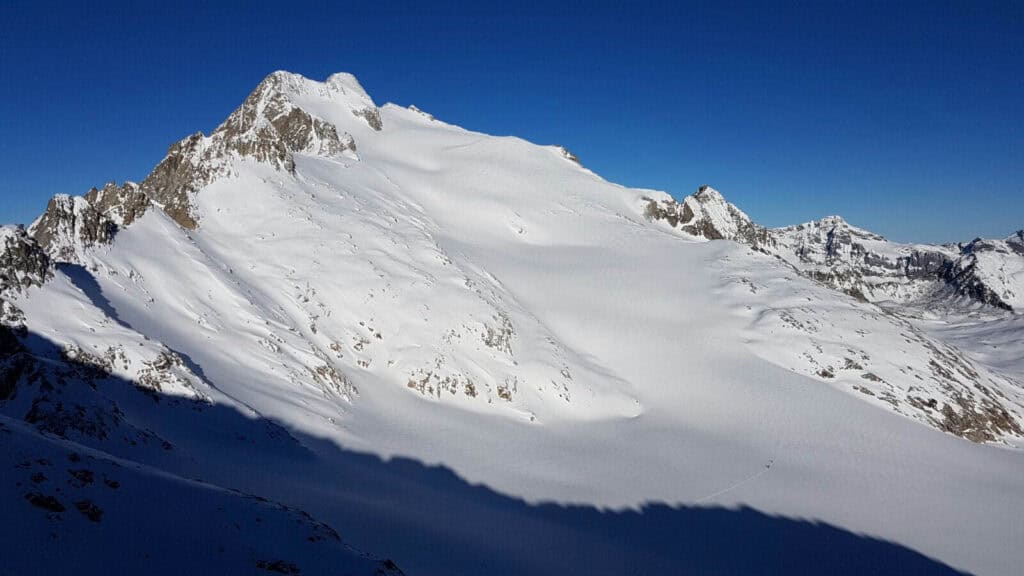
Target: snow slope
point(488, 305)
point(69, 507)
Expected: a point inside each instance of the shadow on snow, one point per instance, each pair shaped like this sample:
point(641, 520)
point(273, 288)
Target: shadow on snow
point(433, 522)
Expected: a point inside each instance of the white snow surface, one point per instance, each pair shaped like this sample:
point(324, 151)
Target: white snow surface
point(486, 304)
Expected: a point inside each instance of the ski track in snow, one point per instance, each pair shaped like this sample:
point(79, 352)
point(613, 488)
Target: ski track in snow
point(762, 471)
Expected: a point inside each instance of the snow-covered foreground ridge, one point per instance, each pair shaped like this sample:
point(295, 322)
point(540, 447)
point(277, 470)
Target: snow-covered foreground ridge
point(396, 285)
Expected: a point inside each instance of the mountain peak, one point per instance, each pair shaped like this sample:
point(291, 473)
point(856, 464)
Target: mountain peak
point(340, 87)
point(708, 194)
point(833, 222)
point(346, 82)
point(707, 214)
point(286, 114)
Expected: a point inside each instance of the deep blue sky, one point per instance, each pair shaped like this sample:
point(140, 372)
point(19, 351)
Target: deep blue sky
point(906, 119)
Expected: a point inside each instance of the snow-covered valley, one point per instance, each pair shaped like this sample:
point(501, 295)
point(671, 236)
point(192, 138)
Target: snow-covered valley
point(470, 354)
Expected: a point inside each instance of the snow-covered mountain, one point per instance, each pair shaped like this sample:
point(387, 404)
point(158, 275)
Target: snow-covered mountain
point(861, 263)
point(321, 278)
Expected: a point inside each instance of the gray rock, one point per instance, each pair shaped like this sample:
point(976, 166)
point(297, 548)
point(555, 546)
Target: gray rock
point(707, 214)
point(69, 225)
point(23, 263)
point(372, 117)
point(120, 204)
point(186, 168)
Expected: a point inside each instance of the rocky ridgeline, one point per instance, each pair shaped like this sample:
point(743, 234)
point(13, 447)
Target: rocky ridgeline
point(861, 263)
point(857, 262)
point(69, 226)
point(34, 374)
point(269, 127)
point(991, 271)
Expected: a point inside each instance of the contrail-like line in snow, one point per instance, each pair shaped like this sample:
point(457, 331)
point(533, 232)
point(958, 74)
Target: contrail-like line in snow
point(750, 478)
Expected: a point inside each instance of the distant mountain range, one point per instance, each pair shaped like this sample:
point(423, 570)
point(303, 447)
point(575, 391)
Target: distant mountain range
point(860, 263)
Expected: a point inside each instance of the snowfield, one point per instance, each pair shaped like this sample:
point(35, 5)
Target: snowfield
point(484, 358)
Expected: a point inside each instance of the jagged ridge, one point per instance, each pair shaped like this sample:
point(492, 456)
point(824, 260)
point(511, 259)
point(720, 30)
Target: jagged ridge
point(268, 127)
point(856, 261)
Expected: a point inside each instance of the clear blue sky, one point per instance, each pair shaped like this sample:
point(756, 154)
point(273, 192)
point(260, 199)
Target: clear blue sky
point(906, 119)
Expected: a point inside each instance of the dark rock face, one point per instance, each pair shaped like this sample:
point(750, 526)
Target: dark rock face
point(182, 172)
point(372, 117)
point(63, 391)
point(121, 204)
point(270, 127)
point(23, 262)
point(924, 265)
point(964, 276)
point(70, 223)
point(980, 424)
point(300, 131)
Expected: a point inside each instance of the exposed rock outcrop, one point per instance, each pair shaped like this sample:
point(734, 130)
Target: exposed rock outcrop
point(707, 214)
point(991, 271)
point(23, 262)
point(189, 165)
point(122, 205)
point(870, 267)
point(372, 117)
point(69, 226)
point(268, 127)
point(861, 263)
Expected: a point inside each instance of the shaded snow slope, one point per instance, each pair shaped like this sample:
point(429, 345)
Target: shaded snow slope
point(69, 507)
